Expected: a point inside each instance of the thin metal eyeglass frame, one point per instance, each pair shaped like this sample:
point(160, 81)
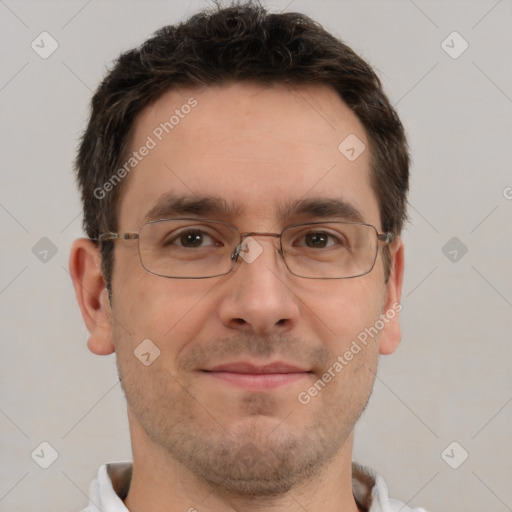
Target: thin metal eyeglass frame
point(386, 238)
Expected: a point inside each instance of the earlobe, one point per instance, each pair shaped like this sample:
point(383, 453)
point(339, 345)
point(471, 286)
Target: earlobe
point(392, 333)
point(91, 294)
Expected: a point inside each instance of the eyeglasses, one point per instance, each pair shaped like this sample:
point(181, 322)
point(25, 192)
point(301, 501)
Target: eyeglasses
point(196, 249)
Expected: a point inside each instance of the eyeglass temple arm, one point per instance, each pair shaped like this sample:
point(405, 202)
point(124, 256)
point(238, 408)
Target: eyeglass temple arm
point(105, 237)
point(386, 237)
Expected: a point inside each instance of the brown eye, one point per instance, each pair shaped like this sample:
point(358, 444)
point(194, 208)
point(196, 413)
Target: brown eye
point(316, 240)
point(320, 240)
point(191, 239)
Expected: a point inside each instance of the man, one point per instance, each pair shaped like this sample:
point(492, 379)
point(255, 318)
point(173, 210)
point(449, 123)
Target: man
point(244, 182)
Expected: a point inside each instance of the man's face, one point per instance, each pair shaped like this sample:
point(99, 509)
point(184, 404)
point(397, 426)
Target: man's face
point(257, 150)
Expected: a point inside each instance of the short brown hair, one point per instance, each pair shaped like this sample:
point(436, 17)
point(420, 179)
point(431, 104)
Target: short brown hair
point(242, 42)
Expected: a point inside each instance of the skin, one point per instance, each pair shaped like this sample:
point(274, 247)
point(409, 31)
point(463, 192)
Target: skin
point(197, 440)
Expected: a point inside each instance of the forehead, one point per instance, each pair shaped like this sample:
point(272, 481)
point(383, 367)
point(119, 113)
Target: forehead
point(257, 149)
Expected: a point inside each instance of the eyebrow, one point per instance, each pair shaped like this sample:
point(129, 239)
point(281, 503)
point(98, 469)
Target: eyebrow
point(171, 205)
point(322, 208)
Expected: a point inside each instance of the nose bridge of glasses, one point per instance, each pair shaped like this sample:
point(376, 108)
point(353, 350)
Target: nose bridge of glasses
point(252, 234)
point(243, 246)
point(259, 233)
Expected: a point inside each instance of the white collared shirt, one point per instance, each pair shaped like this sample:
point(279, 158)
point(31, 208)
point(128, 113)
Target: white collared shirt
point(109, 488)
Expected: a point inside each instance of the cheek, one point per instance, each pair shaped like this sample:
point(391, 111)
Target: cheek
point(342, 309)
point(169, 312)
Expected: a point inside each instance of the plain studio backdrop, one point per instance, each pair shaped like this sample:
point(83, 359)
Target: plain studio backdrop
point(439, 421)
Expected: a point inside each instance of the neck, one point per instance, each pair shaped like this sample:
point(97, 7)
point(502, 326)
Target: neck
point(159, 482)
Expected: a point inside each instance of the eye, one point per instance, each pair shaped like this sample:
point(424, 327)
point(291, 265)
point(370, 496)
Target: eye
point(190, 238)
point(318, 240)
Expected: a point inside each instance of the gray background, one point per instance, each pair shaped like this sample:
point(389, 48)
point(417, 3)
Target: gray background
point(451, 378)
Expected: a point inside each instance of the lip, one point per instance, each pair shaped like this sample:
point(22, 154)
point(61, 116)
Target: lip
point(247, 367)
point(257, 377)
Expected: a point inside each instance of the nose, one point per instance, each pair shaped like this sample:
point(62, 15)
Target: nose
point(257, 295)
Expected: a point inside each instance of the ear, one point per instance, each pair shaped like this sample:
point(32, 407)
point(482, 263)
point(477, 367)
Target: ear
point(92, 295)
point(391, 334)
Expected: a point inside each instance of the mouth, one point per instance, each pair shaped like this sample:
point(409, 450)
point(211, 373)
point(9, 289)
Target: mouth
point(257, 377)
